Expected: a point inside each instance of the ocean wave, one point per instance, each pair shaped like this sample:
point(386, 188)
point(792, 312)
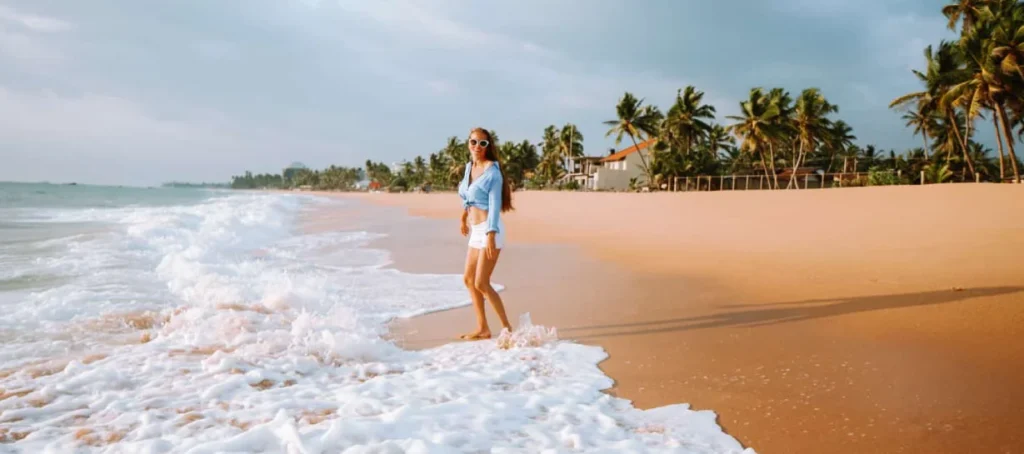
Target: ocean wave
point(219, 327)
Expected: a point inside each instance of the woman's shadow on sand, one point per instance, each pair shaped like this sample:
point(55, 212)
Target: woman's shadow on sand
point(754, 315)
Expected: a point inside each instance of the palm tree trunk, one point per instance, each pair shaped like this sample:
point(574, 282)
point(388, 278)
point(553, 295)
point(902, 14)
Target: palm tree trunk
point(924, 135)
point(1009, 140)
point(967, 138)
point(999, 137)
point(647, 167)
point(764, 166)
point(796, 165)
point(961, 139)
point(771, 155)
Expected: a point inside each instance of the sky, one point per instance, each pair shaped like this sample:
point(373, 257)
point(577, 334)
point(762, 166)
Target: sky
point(142, 92)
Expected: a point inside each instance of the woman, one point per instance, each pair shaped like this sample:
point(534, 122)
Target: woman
point(485, 195)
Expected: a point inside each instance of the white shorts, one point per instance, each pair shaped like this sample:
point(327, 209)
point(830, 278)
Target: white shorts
point(478, 235)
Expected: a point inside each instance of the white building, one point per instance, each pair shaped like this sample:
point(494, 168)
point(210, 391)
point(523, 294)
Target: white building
point(619, 168)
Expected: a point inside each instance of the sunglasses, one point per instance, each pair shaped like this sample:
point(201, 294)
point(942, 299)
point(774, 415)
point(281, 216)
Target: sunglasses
point(482, 143)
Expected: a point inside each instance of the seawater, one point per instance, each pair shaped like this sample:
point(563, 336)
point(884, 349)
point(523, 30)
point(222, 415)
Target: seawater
point(198, 321)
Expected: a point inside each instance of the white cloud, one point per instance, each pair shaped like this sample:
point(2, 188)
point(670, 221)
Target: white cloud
point(24, 38)
point(410, 17)
point(110, 125)
point(305, 80)
point(33, 22)
point(25, 48)
point(51, 135)
point(90, 118)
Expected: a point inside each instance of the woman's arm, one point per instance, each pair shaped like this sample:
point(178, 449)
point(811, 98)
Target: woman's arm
point(463, 225)
point(494, 201)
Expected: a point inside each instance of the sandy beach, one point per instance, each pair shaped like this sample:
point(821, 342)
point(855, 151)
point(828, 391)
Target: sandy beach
point(880, 319)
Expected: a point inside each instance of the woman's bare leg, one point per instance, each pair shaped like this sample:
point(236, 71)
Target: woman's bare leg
point(469, 277)
point(483, 284)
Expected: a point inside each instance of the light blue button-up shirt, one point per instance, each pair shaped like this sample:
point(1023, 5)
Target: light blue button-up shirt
point(483, 193)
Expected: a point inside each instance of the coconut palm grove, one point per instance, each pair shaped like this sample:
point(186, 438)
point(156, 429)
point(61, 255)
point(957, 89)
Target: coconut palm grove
point(974, 82)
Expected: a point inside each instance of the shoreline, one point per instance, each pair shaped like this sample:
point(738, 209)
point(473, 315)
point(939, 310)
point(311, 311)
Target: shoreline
point(818, 348)
point(403, 237)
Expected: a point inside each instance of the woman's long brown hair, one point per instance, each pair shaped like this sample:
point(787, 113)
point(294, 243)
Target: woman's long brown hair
point(491, 154)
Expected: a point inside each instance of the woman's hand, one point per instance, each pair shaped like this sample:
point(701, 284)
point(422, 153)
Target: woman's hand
point(491, 251)
point(463, 228)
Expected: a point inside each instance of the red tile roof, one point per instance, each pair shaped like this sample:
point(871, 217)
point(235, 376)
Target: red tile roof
point(620, 155)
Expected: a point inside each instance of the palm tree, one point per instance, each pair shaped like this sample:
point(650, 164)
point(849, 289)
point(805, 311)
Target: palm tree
point(526, 159)
point(922, 120)
point(718, 139)
point(937, 173)
point(549, 144)
point(458, 156)
point(757, 128)
point(969, 11)
point(810, 123)
point(733, 160)
point(687, 119)
point(1007, 58)
point(508, 154)
point(550, 168)
point(869, 155)
point(839, 138)
point(980, 155)
point(419, 170)
point(635, 120)
point(782, 145)
point(999, 139)
point(438, 169)
point(943, 72)
point(983, 86)
point(570, 144)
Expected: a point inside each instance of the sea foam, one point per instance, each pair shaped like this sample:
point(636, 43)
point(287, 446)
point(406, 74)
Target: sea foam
point(220, 327)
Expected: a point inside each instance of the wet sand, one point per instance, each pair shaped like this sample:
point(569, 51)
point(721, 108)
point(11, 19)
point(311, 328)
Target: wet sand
point(885, 319)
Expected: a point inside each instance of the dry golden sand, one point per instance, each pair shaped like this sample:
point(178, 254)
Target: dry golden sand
point(884, 319)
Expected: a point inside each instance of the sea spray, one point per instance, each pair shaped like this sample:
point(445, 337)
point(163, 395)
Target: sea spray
point(526, 335)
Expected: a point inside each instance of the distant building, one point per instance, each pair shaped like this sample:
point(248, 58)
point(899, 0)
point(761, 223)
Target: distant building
point(619, 168)
point(583, 171)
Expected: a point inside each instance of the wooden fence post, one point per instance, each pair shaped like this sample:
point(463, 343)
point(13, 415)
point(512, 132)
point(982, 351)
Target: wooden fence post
point(977, 177)
point(922, 177)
